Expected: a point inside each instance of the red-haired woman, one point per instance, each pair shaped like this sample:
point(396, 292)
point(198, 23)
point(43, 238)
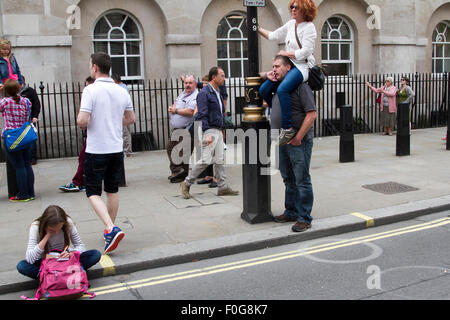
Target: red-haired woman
point(300, 35)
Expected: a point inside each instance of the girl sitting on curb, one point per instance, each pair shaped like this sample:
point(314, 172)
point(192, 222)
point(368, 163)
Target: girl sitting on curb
point(54, 230)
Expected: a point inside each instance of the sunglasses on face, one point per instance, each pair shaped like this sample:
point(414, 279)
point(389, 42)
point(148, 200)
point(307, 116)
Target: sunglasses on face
point(294, 7)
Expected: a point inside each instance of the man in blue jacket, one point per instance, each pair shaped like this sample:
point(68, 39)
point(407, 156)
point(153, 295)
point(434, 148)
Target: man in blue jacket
point(210, 112)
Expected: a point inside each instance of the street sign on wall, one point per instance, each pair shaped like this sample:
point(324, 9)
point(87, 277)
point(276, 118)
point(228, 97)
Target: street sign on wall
point(254, 3)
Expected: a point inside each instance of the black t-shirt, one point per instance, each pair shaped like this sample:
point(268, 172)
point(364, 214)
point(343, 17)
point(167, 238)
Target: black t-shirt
point(302, 102)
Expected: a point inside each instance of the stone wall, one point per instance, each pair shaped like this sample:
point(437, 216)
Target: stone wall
point(180, 35)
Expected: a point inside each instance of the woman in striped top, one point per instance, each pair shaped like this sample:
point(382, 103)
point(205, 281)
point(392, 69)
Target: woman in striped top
point(54, 230)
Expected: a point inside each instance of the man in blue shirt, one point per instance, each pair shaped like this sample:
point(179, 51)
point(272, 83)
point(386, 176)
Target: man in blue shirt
point(210, 112)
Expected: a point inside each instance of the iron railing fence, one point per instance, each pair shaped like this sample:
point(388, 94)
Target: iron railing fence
point(60, 137)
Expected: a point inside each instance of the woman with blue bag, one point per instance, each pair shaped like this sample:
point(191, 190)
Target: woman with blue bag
point(15, 112)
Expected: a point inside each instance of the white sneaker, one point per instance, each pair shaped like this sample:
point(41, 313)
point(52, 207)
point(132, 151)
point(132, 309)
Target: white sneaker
point(225, 146)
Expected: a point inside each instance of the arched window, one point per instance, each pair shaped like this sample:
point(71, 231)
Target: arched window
point(118, 34)
point(441, 48)
point(337, 46)
point(232, 45)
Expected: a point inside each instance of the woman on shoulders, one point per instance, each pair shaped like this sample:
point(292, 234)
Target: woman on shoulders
point(300, 35)
point(54, 230)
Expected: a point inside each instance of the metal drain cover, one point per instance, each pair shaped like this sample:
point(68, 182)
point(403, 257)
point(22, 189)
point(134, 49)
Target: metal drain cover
point(389, 187)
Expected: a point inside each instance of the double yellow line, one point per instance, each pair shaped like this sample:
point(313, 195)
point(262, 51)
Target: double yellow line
point(265, 259)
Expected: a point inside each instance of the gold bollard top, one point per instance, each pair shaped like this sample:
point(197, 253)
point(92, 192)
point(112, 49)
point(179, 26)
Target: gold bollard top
point(253, 111)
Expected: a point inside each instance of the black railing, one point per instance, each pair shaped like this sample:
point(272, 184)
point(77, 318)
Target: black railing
point(60, 137)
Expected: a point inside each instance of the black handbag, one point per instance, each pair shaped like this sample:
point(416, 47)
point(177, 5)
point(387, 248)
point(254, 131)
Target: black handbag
point(317, 75)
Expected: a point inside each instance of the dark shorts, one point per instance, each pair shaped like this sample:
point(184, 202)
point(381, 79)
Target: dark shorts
point(99, 168)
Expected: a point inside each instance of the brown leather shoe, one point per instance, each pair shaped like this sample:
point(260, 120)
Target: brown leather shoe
point(284, 218)
point(301, 226)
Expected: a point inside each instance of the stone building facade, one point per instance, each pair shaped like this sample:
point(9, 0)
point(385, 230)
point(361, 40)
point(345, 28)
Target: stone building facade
point(154, 39)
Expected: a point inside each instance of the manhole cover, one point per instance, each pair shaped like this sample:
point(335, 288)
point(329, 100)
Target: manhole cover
point(389, 187)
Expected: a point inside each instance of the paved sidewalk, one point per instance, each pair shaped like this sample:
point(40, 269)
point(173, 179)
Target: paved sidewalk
point(162, 229)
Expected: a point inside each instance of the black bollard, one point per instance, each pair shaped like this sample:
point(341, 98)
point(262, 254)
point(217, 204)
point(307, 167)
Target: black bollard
point(347, 142)
point(448, 111)
point(256, 184)
point(403, 137)
point(448, 126)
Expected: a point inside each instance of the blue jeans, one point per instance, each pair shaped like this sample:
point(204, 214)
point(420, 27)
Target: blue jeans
point(284, 89)
point(87, 260)
point(21, 161)
point(294, 168)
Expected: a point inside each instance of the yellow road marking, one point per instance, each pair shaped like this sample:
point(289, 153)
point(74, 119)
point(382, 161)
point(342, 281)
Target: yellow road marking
point(108, 265)
point(266, 259)
point(370, 222)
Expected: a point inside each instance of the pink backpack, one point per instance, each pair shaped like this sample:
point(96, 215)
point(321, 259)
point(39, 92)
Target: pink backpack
point(62, 279)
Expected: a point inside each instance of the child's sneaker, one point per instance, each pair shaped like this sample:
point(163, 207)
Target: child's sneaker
point(70, 187)
point(286, 135)
point(112, 239)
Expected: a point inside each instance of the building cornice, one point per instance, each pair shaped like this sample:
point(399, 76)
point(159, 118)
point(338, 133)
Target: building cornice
point(183, 39)
point(400, 41)
point(40, 41)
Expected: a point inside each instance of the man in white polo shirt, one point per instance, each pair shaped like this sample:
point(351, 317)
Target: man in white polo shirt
point(105, 109)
